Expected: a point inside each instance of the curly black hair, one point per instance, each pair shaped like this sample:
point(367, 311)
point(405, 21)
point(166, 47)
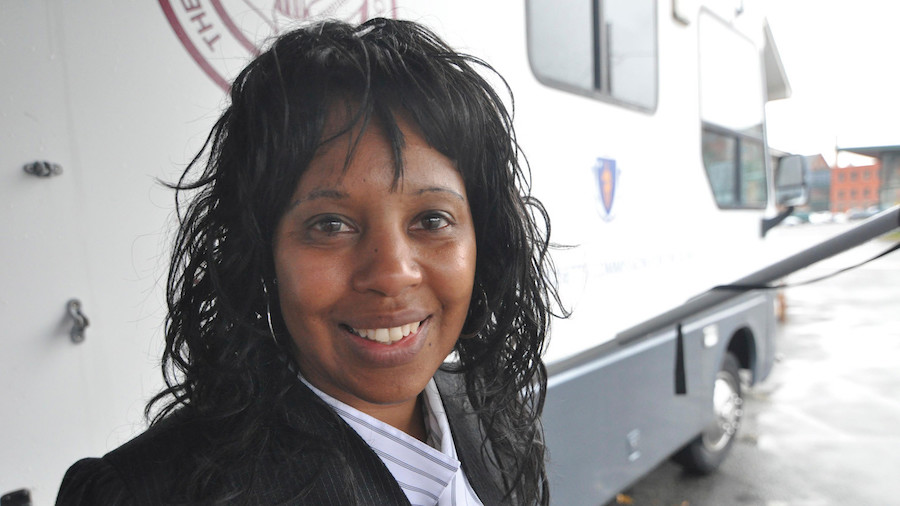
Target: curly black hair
point(220, 361)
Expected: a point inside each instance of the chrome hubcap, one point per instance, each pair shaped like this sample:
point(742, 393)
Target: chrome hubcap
point(728, 411)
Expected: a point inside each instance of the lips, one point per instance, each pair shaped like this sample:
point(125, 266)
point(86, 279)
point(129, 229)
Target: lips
point(388, 335)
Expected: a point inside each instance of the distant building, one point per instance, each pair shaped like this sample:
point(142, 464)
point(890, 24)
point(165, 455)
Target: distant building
point(855, 187)
point(889, 173)
point(819, 184)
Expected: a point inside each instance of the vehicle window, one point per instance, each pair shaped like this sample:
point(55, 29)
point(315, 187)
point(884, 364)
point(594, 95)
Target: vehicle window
point(732, 99)
point(719, 158)
point(601, 48)
point(752, 173)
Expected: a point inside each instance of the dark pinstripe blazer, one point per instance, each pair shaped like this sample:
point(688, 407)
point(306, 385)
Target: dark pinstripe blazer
point(149, 469)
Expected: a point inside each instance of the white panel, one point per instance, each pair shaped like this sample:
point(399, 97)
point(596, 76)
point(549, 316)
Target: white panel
point(105, 90)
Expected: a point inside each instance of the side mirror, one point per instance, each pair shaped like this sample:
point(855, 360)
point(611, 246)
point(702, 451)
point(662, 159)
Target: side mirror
point(791, 188)
point(791, 181)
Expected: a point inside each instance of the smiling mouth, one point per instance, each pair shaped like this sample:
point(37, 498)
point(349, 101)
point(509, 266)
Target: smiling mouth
point(388, 335)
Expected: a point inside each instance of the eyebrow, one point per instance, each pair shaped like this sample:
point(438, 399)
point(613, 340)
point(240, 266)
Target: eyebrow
point(439, 189)
point(339, 195)
point(320, 194)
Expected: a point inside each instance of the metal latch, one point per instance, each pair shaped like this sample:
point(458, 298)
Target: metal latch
point(81, 321)
point(43, 168)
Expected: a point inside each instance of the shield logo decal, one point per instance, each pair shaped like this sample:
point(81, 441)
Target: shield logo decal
point(607, 181)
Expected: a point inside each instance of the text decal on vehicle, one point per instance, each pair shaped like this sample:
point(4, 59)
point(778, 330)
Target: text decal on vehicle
point(223, 35)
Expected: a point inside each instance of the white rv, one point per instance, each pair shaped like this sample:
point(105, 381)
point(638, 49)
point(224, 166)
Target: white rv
point(643, 125)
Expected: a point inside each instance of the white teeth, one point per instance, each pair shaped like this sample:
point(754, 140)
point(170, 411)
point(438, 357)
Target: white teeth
point(390, 335)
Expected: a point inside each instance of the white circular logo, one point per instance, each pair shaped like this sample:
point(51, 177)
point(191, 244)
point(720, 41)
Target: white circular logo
point(222, 36)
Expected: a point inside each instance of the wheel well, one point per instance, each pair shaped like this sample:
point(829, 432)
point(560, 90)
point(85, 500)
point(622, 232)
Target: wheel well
point(741, 346)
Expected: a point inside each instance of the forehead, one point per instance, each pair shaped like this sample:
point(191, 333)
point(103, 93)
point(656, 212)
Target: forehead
point(364, 159)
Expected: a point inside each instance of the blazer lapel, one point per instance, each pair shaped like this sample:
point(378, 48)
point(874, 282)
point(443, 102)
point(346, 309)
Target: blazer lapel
point(469, 438)
point(372, 482)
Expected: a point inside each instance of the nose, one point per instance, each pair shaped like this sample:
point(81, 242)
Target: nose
point(388, 263)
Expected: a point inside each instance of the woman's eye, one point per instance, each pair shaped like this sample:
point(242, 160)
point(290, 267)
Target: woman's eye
point(434, 221)
point(330, 225)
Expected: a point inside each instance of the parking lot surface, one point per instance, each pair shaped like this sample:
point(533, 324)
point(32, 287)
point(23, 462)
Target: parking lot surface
point(824, 428)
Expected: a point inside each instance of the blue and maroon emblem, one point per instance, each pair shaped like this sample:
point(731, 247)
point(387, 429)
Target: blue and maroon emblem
point(607, 180)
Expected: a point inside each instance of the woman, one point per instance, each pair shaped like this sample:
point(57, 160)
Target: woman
point(359, 217)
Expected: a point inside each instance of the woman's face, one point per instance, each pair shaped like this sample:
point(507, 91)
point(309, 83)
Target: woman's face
point(374, 280)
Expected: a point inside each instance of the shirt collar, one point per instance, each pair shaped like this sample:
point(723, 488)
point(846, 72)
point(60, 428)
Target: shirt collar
point(423, 472)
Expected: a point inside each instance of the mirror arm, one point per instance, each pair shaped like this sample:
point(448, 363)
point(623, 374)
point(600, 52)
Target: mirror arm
point(770, 223)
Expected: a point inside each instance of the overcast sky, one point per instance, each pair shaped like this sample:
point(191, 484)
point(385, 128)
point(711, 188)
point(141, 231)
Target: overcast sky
point(842, 59)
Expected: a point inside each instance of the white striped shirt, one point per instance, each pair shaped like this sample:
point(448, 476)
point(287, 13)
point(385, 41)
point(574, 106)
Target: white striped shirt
point(429, 474)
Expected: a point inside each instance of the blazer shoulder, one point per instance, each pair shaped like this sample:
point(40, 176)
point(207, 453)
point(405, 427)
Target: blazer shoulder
point(306, 458)
point(137, 473)
point(93, 481)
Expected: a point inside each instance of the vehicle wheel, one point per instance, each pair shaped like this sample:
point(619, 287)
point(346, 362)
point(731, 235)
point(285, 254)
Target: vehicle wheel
point(704, 454)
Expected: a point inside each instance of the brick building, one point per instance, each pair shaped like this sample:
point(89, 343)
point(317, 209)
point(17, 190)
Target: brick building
point(889, 173)
point(855, 187)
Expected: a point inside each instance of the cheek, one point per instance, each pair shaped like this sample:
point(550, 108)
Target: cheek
point(305, 288)
point(457, 273)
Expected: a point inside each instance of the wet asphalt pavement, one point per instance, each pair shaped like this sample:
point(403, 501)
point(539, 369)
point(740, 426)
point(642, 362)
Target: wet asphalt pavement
point(824, 428)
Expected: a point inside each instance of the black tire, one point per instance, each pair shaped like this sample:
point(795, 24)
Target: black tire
point(706, 452)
